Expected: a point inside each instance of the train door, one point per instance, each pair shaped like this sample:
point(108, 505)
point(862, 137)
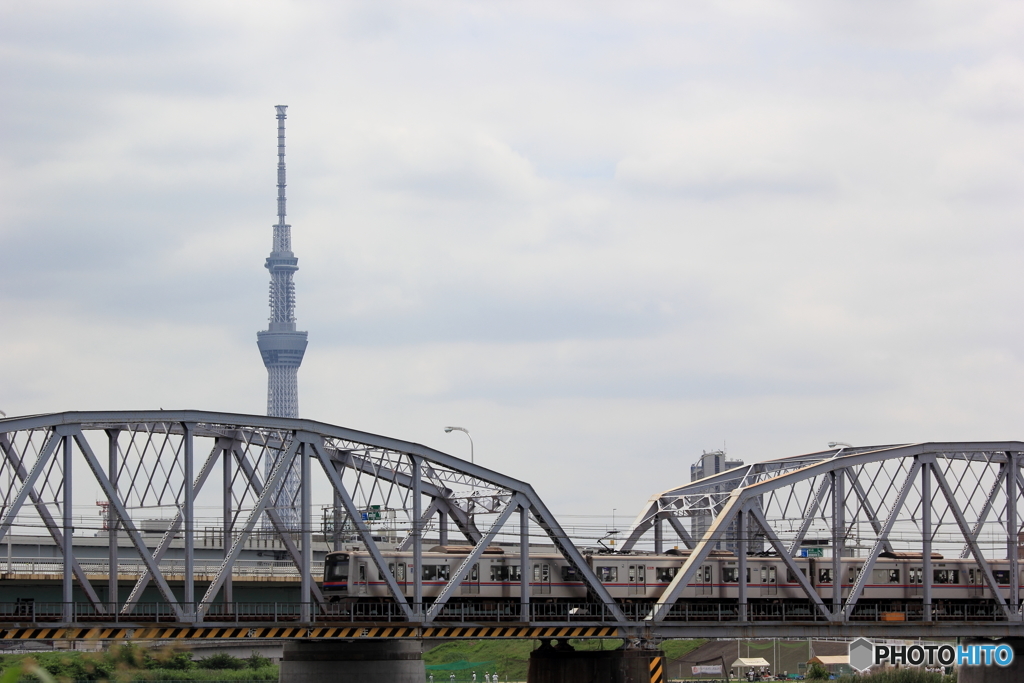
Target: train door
point(541, 579)
point(769, 581)
point(703, 580)
point(975, 583)
point(471, 585)
point(360, 582)
point(914, 575)
point(637, 580)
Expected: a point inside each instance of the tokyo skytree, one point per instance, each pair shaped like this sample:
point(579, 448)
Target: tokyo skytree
point(281, 346)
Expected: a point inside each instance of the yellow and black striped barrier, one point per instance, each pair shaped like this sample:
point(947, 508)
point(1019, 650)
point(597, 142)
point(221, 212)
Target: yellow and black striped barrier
point(315, 632)
point(658, 670)
point(522, 632)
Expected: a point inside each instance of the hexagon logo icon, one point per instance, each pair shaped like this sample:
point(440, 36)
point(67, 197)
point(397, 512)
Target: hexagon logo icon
point(862, 654)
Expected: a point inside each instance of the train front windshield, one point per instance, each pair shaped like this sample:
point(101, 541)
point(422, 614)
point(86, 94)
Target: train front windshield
point(336, 569)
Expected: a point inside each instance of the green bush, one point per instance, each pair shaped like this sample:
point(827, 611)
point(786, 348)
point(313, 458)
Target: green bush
point(129, 663)
point(258, 661)
point(817, 672)
point(221, 660)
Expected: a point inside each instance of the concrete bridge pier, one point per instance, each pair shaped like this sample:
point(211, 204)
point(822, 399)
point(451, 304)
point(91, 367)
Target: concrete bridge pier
point(557, 662)
point(994, 674)
point(353, 661)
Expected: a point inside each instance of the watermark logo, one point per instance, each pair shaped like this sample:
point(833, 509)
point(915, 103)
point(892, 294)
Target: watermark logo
point(864, 654)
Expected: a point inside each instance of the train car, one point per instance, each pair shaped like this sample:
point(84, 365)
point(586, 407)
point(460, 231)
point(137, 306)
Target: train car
point(352, 576)
point(896, 581)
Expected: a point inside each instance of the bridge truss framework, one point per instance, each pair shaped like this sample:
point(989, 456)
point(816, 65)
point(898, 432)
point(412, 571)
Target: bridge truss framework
point(870, 499)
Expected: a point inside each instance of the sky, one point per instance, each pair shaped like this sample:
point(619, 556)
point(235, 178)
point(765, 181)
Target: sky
point(603, 237)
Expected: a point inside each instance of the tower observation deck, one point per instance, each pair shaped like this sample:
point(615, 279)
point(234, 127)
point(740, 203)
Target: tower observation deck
point(281, 346)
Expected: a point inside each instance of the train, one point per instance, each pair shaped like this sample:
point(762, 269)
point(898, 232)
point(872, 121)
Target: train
point(896, 578)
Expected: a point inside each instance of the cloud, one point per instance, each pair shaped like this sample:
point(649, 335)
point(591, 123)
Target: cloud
point(603, 237)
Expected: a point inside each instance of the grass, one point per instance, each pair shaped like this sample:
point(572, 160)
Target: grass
point(130, 663)
point(910, 674)
point(511, 658)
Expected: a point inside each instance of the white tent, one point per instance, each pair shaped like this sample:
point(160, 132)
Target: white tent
point(744, 662)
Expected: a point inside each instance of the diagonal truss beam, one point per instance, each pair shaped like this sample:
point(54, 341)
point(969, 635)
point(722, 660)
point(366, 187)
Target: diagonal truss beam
point(273, 514)
point(966, 530)
point(460, 574)
point(812, 510)
point(986, 509)
point(51, 524)
point(431, 510)
point(364, 531)
point(675, 588)
point(463, 520)
point(882, 540)
point(546, 521)
point(755, 512)
point(126, 521)
point(172, 530)
point(680, 529)
point(868, 508)
point(29, 483)
point(281, 467)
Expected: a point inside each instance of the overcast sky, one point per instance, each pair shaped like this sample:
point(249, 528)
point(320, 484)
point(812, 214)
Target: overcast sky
point(601, 236)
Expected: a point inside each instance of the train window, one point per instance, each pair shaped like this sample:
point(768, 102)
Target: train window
point(666, 574)
point(730, 574)
point(854, 571)
point(474, 573)
point(632, 573)
point(571, 574)
point(971, 577)
point(362, 572)
point(504, 573)
point(915, 574)
point(790, 578)
point(885, 576)
point(607, 574)
point(946, 575)
point(401, 572)
point(435, 572)
point(337, 569)
point(825, 575)
point(1002, 576)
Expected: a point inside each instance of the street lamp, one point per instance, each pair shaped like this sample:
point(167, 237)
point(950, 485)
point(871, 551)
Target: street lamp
point(449, 430)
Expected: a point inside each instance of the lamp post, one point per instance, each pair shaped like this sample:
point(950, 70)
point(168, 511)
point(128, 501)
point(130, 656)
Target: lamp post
point(449, 430)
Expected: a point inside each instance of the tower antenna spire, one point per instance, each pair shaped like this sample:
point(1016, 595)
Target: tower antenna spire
point(281, 346)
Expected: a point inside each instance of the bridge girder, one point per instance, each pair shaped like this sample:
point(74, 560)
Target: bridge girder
point(152, 466)
point(891, 495)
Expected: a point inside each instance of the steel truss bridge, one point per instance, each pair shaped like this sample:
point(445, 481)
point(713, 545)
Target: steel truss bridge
point(957, 498)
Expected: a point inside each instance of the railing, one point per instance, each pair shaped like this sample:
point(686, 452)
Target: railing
point(470, 612)
point(203, 569)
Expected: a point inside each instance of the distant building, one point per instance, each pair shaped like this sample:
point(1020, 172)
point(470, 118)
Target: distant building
point(709, 464)
point(712, 463)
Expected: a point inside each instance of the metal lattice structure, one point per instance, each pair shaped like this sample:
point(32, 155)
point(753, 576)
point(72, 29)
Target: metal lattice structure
point(281, 345)
point(961, 498)
point(140, 462)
